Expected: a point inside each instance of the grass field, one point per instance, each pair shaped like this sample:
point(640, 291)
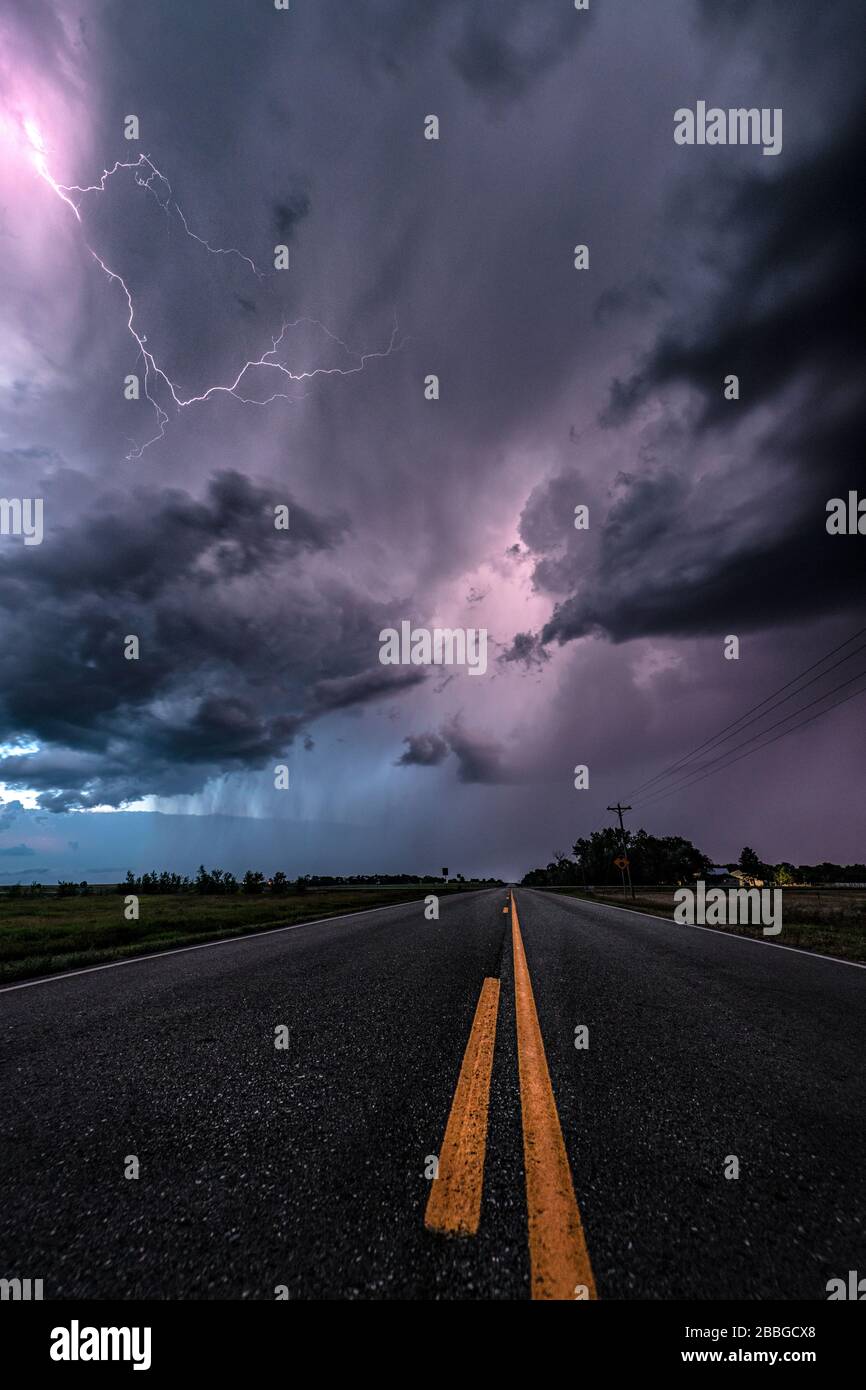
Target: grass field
point(41, 936)
point(831, 921)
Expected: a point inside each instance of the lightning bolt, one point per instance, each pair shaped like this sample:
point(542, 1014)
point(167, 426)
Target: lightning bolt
point(153, 181)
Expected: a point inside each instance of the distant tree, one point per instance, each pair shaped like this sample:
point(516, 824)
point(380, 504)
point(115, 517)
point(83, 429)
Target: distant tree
point(652, 859)
point(300, 885)
point(253, 882)
point(279, 883)
point(749, 862)
point(597, 854)
point(218, 881)
point(66, 889)
point(561, 869)
point(669, 859)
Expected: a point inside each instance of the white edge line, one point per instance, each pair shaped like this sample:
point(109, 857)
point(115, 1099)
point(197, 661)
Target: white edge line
point(729, 935)
point(204, 945)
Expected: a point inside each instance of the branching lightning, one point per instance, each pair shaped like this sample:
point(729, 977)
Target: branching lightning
point(150, 178)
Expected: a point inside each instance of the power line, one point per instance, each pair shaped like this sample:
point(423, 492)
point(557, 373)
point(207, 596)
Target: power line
point(706, 767)
point(727, 761)
point(718, 738)
point(758, 717)
point(662, 796)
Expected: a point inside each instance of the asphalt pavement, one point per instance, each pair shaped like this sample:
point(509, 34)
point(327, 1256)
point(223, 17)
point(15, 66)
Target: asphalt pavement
point(307, 1169)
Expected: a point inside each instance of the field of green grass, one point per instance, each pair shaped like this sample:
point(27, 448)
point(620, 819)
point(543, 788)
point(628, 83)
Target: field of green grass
point(831, 921)
point(40, 936)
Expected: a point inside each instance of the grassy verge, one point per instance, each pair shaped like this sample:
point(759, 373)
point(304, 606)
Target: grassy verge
point(832, 922)
point(46, 935)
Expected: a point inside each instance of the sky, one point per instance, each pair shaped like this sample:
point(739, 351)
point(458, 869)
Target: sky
point(558, 387)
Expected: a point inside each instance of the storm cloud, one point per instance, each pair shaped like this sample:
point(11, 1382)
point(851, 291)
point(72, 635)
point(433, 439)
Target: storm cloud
point(559, 388)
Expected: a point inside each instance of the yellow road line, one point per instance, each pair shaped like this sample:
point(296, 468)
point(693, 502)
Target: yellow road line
point(559, 1258)
point(454, 1204)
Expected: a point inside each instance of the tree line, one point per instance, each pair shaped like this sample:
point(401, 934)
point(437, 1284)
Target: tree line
point(672, 859)
point(221, 882)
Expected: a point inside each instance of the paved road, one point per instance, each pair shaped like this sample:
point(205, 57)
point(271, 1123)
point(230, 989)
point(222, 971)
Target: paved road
point(306, 1168)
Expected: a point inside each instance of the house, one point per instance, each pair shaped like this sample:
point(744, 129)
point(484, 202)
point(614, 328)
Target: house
point(719, 876)
point(746, 880)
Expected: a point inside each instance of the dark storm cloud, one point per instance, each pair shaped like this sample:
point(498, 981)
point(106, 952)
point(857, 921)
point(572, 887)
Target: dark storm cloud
point(308, 126)
point(525, 650)
point(423, 750)
point(218, 660)
point(498, 47)
point(639, 296)
point(139, 544)
point(220, 734)
point(680, 559)
point(225, 730)
point(480, 759)
point(500, 55)
point(341, 692)
point(788, 300)
point(155, 566)
point(547, 514)
point(562, 554)
point(731, 14)
point(16, 851)
point(226, 107)
point(289, 213)
point(677, 554)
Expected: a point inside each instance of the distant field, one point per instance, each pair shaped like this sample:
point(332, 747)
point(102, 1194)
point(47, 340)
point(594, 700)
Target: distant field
point(41, 936)
point(831, 921)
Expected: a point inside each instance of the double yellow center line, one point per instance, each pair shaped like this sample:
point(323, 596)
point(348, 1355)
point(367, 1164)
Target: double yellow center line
point(454, 1204)
point(559, 1260)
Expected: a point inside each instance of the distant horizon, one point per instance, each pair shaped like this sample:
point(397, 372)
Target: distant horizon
point(75, 869)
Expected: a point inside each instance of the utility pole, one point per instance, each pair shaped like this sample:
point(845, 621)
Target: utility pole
point(619, 810)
